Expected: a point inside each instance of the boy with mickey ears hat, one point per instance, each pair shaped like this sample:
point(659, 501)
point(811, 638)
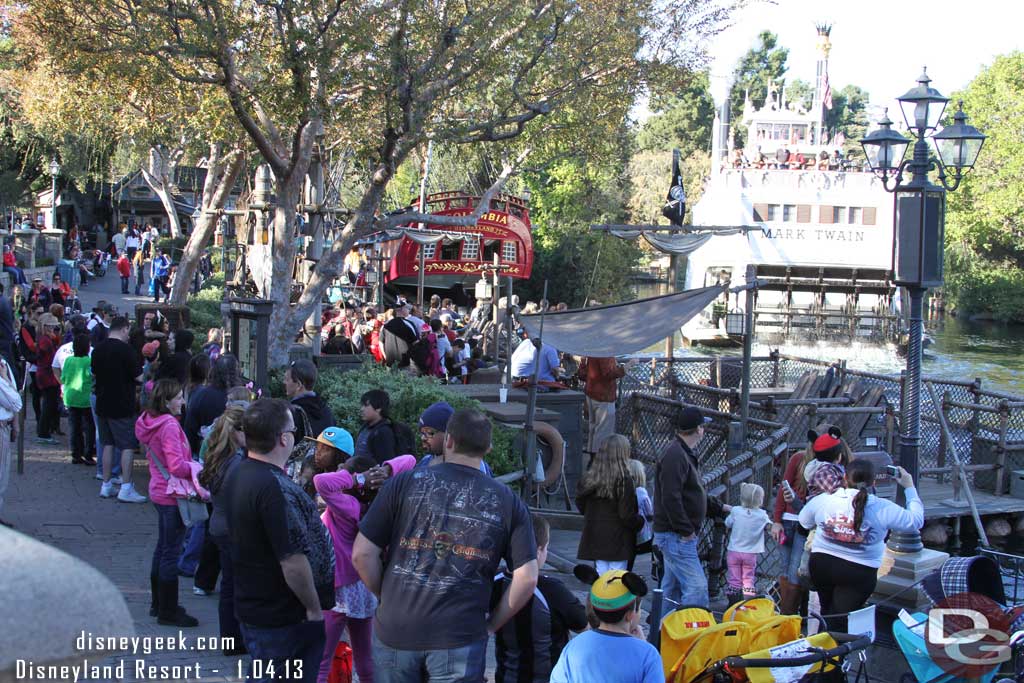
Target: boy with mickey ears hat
point(615, 650)
point(680, 506)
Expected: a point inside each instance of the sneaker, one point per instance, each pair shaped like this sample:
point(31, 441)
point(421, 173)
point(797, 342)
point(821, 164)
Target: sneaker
point(127, 494)
point(99, 477)
point(47, 440)
point(116, 481)
point(107, 490)
point(196, 590)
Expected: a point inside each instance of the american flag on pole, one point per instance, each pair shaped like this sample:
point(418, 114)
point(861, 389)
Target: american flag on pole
point(827, 98)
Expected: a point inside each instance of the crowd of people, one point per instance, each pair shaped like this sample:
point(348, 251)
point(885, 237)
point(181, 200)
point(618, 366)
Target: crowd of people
point(313, 532)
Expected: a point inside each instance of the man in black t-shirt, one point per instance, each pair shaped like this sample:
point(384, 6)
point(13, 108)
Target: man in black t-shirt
point(446, 528)
point(527, 647)
point(117, 372)
point(281, 553)
point(398, 335)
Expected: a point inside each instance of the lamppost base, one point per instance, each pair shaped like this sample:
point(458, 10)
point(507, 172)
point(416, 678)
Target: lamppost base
point(901, 585)
point(905, 542)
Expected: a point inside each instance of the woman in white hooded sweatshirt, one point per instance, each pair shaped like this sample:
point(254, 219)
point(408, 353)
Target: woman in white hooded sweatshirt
point(847, 550)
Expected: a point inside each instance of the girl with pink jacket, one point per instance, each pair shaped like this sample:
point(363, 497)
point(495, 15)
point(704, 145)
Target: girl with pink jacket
point(348, 493)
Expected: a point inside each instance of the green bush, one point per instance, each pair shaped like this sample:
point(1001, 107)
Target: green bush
point(204, 308)
point(409, 397)
point(172, 246)
point(979, 286)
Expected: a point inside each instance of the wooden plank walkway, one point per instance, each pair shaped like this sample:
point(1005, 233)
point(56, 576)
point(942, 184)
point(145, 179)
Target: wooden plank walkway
point(933, 493)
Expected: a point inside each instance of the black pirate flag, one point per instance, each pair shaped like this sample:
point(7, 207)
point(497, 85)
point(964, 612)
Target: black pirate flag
point(675, 207)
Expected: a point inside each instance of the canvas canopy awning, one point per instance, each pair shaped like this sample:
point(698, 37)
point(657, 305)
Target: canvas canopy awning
point(678, 244)
point(617, 329)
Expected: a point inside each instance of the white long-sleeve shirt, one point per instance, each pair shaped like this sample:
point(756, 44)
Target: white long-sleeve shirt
point(832, 514)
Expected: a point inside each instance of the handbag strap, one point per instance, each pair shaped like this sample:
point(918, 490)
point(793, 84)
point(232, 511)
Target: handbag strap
point(159, 465)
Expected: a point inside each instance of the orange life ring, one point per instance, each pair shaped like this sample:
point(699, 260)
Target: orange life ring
point(554, 439)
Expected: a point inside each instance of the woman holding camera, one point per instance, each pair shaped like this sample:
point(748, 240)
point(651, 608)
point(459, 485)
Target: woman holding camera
point(847, 549)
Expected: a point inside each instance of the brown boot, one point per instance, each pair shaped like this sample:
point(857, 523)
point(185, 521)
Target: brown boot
point(790, 595)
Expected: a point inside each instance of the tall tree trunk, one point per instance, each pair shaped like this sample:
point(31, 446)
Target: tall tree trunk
point(160, 178)
point(221, 174)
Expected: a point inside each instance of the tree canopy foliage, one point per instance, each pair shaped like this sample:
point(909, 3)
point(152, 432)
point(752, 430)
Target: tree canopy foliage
point(764, 62)
point(985, 216)
point(382, 78)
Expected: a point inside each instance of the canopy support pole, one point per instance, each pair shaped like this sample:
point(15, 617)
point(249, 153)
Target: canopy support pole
point(531, 406)
point(673, 270)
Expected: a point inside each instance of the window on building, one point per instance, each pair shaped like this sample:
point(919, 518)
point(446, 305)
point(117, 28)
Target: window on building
point(471, 248)
point(428, 251)
point(773, 212)
point(450, 251)
point(839, 214)
point(788, 213)
point(855, 215)
point(491, 248)
point(508, 251)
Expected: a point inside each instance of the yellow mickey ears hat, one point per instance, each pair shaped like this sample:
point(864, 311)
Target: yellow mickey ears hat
point(612, 590)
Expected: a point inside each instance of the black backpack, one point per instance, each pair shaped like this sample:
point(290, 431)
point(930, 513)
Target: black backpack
point(405, 441)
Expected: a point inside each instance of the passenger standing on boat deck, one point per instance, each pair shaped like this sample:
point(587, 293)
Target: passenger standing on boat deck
point(680, 507)
point(601, 376)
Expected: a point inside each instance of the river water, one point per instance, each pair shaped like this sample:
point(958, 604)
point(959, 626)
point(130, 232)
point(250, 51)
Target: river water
point(960, 350)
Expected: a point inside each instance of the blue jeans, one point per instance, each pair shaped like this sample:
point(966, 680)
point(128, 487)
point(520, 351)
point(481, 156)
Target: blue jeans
point(293, 651)
point(168, 542)
point(189, 559)
point(685, 582)
point(115, 470)
point(794, 553)
point(458, 665)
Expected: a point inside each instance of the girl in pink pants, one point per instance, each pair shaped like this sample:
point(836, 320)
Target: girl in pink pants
point(746, 543)
point(348, 493)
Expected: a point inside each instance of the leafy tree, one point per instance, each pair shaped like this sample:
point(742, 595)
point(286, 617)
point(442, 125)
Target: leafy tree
point(849, 115)
point(764, 62)
point(381, 79)
point(985, 216)
point(683, 119)
point(800, 93)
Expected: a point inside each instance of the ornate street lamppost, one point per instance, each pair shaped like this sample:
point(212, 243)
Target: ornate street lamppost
point(919, 225)
point(54, 172)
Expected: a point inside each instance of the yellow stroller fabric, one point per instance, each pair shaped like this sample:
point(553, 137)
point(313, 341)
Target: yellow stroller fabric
point(795, 648)
point(678, 630)
point(711, 645)
point(753, 611)
point(774, 631)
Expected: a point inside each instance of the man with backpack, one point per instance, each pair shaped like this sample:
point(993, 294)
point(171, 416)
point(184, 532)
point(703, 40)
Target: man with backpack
point(398, 336)
point(311, 412)
point(381, 439)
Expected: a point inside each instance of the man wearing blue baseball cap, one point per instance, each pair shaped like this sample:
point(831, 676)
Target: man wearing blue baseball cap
point(433, 425)
point(680, 506)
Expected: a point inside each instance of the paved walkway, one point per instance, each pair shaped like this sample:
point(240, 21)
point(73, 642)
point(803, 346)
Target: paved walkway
point(58, 503)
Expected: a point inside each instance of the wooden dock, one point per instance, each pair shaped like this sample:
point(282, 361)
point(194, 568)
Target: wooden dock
point(933, 494)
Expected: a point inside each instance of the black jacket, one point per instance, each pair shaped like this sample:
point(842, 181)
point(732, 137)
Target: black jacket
point(609, 525)
point(205, 405)
point(318, 412)
point(680, 502)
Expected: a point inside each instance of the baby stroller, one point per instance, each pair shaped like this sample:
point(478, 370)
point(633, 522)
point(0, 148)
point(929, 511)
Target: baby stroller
point(961, 583)
point(752, 643)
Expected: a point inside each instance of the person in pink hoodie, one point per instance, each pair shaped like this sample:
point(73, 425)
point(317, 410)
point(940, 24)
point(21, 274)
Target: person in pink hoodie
point(348, 493)
point(172, 474)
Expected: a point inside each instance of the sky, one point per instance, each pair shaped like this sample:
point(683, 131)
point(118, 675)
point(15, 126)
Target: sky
point(884, 59)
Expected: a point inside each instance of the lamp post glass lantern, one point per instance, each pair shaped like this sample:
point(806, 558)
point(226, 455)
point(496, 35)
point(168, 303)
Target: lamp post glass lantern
point(919, 217)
